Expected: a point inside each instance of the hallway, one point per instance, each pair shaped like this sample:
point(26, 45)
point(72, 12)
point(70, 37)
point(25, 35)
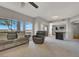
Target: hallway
point(51, 48)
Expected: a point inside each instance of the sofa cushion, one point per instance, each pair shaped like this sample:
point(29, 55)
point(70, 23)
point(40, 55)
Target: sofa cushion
point(3, 42)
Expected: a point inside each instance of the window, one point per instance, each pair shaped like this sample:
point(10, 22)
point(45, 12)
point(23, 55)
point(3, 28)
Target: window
point(21, 25)
point(28, 26)
point(8, 24)
point(2, 24)
point(14, 24)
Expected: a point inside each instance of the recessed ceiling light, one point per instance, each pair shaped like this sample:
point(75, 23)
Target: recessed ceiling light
point(55, 17)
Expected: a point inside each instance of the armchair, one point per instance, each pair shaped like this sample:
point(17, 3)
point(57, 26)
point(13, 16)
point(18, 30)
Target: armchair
point(39, 37)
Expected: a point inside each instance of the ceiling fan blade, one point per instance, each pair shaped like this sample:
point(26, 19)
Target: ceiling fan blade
point(34, 5)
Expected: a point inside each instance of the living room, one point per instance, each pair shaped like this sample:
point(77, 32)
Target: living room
point(26, 30)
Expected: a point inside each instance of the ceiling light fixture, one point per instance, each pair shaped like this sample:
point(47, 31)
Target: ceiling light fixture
point(55, 17)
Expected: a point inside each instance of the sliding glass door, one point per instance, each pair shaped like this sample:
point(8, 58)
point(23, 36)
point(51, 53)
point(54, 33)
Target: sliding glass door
point(28, 28)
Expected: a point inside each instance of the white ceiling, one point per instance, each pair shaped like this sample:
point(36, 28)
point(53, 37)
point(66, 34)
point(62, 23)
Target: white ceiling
point(47, 10)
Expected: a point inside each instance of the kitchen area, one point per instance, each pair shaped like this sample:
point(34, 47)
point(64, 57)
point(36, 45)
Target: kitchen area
point(59, 31)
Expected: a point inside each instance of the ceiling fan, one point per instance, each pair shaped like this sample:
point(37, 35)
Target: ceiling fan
point(31, 3)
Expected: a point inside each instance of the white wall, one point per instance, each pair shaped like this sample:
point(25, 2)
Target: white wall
point(38, 23)
point(9, 14)
point(55, 23)
point(68, 33)
point(75, 28)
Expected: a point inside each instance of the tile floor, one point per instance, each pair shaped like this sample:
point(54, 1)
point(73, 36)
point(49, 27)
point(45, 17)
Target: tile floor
point(51, 48)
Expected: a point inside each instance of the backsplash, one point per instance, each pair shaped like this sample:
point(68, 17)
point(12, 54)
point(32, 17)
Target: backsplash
point(59, 28)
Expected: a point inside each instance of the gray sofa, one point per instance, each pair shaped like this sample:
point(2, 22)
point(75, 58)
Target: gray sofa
point(7, 44)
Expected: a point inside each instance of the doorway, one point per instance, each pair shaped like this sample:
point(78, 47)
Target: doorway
point(75, 27)
point(29, 29)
